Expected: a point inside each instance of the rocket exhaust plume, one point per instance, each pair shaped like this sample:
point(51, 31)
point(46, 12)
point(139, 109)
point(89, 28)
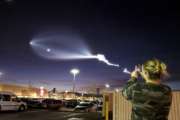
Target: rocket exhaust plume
point(102, 58)
point(64, 47)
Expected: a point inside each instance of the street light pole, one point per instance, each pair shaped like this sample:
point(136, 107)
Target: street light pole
point(74, 82)
point(1, 74)
point(107, 85)
point(74, 72)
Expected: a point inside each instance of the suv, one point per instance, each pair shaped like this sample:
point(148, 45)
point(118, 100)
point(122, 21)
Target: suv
point(86, 107)
point(9, 101)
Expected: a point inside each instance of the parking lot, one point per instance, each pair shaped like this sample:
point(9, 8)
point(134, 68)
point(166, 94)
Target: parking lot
point(48, 115)
point(14, 108)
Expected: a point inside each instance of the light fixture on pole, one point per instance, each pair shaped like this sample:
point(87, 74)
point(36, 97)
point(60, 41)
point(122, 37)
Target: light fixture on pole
point(107, 85)
point(74, 72)
point(1, 74)
point(117, 90)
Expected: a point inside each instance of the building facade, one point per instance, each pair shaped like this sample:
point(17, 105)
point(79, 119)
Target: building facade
point(25, 91)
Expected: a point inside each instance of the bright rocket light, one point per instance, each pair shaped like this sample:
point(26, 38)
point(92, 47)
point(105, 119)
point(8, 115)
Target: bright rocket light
point(31, 43)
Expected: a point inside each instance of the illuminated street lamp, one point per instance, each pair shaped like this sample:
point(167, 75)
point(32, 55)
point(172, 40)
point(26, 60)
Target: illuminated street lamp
point(1, 74)
point(117, 90)
point(75, 72)
point(66, 91)
point(107, 85)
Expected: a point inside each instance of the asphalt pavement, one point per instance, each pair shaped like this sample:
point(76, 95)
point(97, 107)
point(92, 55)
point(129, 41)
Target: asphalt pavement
point(48, 115)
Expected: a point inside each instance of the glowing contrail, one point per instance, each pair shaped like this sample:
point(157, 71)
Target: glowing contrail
point(60, 47)
point(102, 58)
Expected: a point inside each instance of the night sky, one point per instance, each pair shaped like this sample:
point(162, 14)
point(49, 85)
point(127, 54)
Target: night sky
point(127, 32)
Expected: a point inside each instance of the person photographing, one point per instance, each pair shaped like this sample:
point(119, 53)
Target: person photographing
point(151, 100)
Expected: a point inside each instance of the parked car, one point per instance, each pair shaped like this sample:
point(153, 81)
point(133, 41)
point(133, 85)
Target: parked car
point(71, 103)
point(32, 103)
point(9, 101)
point(99, 106)
point(52, 104)
point(86, 107)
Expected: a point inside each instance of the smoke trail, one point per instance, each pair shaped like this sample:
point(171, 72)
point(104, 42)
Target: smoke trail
point(64, 47)
point(60, 47)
